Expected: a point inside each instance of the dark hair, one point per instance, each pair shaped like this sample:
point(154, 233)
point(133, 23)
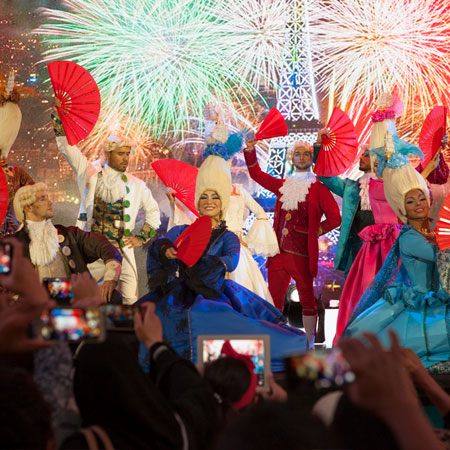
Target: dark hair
point(25, 417)
point(272, 425)
point(353, 427)
point(229, 378)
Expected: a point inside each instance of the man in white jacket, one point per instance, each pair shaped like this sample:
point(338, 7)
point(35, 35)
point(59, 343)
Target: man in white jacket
point(110, 201)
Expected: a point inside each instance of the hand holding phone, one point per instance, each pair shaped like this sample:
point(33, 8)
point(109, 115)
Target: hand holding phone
point(59, 289)
point(119, 317)
point(6, 258)
point(73, 325)
point(324, 369)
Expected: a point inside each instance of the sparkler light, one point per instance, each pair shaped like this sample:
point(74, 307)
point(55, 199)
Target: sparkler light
point(372, 46)
point(158, 62)
point(155, 62)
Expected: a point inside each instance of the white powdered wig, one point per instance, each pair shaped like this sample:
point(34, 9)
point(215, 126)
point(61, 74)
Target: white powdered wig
point(112, 143)
point(214, 175)
point(26, 196)
point(10, 120)
point(398, 182)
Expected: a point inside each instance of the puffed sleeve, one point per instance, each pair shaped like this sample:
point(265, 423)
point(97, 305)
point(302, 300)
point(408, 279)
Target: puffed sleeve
point(261, 238)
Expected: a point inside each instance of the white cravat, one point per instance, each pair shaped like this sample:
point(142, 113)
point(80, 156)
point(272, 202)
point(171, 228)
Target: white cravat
point(364, 191)
point(295, 189)
point(44, 243)
point(110, 186)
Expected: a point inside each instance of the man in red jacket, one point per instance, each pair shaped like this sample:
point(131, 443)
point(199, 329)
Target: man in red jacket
point(302, 200)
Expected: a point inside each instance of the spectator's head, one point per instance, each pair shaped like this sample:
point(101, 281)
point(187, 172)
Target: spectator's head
point(25, 417)
point(32, 203)
point(273, 425)
point(353, 427)
point(230, 380)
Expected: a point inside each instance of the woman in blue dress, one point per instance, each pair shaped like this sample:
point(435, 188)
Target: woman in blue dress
point(197, 300)
point(406, 295)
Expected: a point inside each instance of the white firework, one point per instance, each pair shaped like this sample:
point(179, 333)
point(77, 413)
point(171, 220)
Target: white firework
point(373, 46)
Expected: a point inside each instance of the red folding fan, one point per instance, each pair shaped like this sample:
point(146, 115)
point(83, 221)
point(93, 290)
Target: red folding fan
point(432, 133)
point(193, 241)
point(339, 149)
point(273, 125)
point(79, 96)
point(180, 177)
point(4, 196)
point(443, 225)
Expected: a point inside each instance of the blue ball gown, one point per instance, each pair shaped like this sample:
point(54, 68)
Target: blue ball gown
point(406, 296)
point(192, 301)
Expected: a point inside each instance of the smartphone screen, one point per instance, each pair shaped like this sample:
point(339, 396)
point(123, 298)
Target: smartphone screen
point(59, 288)
point(72, 324)
point(119, 317)
point(211, 350)
point(324, 369)
point(5, 258)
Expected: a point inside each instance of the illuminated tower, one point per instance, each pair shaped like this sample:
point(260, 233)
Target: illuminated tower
point(296, 96)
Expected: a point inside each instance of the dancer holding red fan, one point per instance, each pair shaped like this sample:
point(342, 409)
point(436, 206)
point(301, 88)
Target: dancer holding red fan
point(195, 296)
point(110, 197)
point(301, 202)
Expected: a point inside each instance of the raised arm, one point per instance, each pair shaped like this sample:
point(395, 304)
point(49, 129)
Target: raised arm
point(72, 153)
point(267, 181)
point(334, 184)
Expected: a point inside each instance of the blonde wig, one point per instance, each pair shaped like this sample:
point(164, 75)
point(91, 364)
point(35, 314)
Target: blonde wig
point(26, 196)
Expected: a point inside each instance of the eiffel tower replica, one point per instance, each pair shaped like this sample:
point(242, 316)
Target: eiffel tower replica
point(296, 96)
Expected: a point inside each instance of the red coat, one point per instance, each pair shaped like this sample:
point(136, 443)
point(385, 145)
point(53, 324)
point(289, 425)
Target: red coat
point(319, 202)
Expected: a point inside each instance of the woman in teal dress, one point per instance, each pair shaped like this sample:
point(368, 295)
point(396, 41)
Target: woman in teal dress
point(406, 294)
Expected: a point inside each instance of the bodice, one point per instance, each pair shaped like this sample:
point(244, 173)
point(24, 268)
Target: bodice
point(382, 212)
point(236, 211)
point(418, 258)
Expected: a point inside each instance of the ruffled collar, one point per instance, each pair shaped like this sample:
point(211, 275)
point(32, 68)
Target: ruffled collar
point(364, 191)
point(295, 189)
point(110, 185)
point(44, 243)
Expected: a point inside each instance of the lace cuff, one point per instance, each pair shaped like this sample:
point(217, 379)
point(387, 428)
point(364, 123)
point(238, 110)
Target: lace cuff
point(112, 270)
point(261, 239)
point(57, 125)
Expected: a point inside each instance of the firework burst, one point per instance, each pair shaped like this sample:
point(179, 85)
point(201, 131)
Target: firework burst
point(255, 32)
point(373, 46)
point(157, 62)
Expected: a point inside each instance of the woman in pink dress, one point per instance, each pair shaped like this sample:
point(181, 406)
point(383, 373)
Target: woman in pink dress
point(378, 240)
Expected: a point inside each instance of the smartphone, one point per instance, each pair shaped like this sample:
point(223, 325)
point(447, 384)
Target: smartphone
point(325, 369)
point(73, 325)
point(59, 289)
point(6, 255)
point(256, 346)
point(119, 317)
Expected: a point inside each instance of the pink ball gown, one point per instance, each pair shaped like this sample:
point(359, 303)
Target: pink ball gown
point(378, 240)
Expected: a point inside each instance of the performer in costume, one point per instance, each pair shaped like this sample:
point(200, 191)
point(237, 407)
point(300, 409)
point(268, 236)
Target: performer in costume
point(378, 238)
point(356, 210)
point(301, 202)
point(58, 251)
point(10, 120)
point(200, 300)
point(406, 294)
point(110, 201)
point(260, 239)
